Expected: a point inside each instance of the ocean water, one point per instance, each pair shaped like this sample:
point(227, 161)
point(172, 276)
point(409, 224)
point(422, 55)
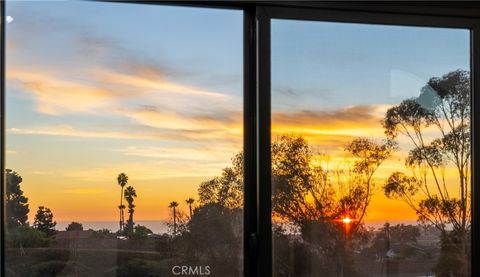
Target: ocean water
point(158, 227)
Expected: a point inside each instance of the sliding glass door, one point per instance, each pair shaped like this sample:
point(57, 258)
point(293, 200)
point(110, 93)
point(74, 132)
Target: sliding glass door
point(370, 149)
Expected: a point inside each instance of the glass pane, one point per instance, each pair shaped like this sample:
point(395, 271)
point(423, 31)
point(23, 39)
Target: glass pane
point(370, 150)
point(124, 132)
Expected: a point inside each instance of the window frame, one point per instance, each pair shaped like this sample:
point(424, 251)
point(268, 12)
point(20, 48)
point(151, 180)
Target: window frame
point(368, 16)
point(257, 244)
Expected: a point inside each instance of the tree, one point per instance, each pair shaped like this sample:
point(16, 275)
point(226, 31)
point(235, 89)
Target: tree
point(315, 199)
point(44, 221)
point(310, 197)
point(26, 237)
point(214, 237)
point(102, 233)
point(190, 203)
point(401, 237)
point(122, 180)
point(74, 226)
point(443, 106)
point(173, 205)
point(141, 232)
point(296, 179)
point(130, 194)
point(16, 203)
point(227, 189)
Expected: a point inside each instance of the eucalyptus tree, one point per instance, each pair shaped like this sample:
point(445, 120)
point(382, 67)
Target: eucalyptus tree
point(437, 125)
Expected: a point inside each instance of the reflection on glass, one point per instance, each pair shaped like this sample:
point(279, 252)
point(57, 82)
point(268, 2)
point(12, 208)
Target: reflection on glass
point(122, 121)
point(370, 150)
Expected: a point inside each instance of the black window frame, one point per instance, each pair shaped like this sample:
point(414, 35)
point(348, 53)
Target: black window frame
point(257, 97)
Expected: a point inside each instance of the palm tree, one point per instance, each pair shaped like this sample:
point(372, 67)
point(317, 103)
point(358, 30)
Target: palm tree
point(129, 195)
point(174, 205)
point(122, 180)
point(190, 202)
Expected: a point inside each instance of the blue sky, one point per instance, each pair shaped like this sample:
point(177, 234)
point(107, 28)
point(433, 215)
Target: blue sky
point(342, 64)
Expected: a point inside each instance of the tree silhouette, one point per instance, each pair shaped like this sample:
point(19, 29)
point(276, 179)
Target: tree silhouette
point(122, 180)
point(190, 203)
point(173, 205)
point(44, 221)
point(214, 234)
point(403, 237)
point(315, 199)
point(141, 232)
point(74, 226)
point(309, 197)
point(443, 106)
point(296, 179)
point(130, 194)
point(227, 189)
point(16, 203)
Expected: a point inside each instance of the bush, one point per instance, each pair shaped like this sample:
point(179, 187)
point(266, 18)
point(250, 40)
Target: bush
point(50, 268)
point(27, 237)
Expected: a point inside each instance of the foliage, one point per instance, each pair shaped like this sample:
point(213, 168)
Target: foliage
point(402, 238)
point(102, 234)
point(27, 237)
point(227, 189)
point(304, 191)
point(16, 203)
point(309, 196)
point(444, 107)
point(141, 232)
point(74, 226)
point(190, 202)
point(130, 194)
point(452, 261)
point(122, 180)
point(219, 246)
point(173, 205)
point(44, 221)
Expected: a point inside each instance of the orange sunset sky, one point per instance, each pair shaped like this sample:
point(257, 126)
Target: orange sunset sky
point(88, 98)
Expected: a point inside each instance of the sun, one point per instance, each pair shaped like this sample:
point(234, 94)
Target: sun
point(346, 220)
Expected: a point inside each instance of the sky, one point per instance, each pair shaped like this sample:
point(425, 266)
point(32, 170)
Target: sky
point(333, 82)
point(95, 89)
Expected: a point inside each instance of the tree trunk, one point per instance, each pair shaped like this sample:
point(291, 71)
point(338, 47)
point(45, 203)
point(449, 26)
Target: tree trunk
point(174, 221)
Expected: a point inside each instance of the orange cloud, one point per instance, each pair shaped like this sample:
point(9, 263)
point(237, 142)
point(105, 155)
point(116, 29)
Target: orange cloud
point(55, 96)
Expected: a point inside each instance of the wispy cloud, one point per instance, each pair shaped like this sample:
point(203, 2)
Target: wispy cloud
point(54, 95)
point(331, 130)
point(167, 119)
point(215, 153)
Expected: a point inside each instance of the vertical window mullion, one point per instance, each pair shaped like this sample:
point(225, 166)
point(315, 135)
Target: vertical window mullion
point(249, 130)
point(264, 142)
point(475, 174)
